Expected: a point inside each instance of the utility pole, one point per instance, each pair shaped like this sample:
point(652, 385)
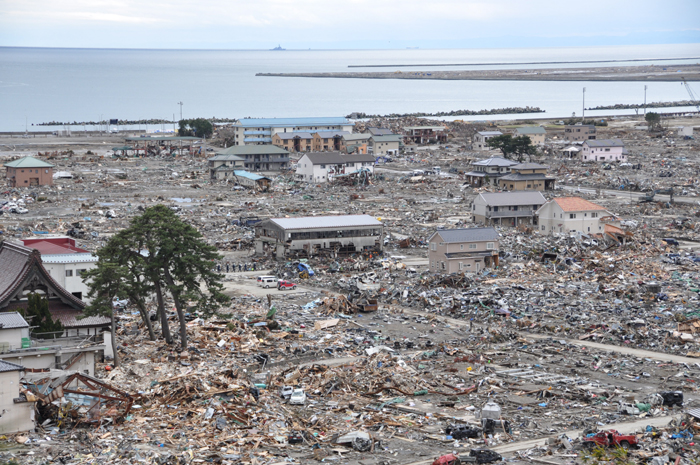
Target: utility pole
point(583, 110)
point(645, 100)
point(180, 103)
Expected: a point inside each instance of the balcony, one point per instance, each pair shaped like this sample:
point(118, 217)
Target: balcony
point(510, 214)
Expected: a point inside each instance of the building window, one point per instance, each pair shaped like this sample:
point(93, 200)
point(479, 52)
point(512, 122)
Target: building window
point(443, 265)
point(433, 246)
point(80, 272)
point(489, 246)
point(543, 228)
point(461, 265)
point(461, 247)
point(572, 215)
point(69, 273)
point(472, 246)
point(594, 215)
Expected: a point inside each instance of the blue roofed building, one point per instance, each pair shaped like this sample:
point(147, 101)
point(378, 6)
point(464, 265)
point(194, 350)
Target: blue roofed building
point(259, 131)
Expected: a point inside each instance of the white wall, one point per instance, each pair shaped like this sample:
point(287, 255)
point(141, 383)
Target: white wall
point(70, 283)
point(552, 219)
point(14, 418)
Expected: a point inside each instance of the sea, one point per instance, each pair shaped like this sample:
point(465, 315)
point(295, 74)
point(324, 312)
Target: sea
point(41, 85)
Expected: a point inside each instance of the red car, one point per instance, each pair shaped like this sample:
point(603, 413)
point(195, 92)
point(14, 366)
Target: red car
point(448, 459)
point(281, 285)
point(611, 438)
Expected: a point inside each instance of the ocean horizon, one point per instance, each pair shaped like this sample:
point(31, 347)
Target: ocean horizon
point(39, 85)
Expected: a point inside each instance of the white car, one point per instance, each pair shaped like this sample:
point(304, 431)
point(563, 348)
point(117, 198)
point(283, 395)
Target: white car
point(298, 397)
point(21, 210)
point(286, 392)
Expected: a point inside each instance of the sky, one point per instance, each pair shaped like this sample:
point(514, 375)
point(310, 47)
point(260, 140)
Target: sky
point(347, 24)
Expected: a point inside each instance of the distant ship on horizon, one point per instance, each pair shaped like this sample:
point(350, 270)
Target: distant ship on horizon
point(279, 47)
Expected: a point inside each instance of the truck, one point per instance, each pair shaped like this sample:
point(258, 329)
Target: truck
point(610, 438)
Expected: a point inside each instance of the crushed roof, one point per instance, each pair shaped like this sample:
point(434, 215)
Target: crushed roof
point(499, 199)
point(12, 320)
point(321, 222)
point(467, 235)
point(28, 162)
point(576, 204)
point(249, 175)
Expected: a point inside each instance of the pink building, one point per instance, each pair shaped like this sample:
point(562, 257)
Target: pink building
point(603, 150)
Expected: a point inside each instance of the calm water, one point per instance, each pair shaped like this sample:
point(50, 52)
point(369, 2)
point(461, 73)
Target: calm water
point(42, 85)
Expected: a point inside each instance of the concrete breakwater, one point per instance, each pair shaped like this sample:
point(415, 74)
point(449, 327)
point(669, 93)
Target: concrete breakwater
point(669, 73)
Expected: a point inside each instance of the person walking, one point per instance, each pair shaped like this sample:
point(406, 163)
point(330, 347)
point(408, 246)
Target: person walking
point(227, 267)
point(218, 267)
point(253, 266)
point(239, 267)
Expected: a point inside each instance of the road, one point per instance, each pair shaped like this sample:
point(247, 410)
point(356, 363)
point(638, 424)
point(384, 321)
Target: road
point(623, 427)
point(632, 195)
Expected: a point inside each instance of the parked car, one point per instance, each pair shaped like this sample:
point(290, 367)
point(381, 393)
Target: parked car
point(298, 397)
point(281, 285)
point(485, 455)
point(286, 392)
point(266, 281)
point(21, 210)
point(610, 438)
point(670, 241)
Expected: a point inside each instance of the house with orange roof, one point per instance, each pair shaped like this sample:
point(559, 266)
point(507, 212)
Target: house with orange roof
point(572, 215)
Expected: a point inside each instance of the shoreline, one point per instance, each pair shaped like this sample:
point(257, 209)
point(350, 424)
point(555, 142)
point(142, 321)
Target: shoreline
point(633, 60)
point(669, 73)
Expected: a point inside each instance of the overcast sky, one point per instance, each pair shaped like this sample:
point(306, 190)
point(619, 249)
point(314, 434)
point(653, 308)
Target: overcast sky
point(332, 24)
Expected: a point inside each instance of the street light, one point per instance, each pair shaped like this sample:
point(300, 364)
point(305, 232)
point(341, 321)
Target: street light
point(180, 103)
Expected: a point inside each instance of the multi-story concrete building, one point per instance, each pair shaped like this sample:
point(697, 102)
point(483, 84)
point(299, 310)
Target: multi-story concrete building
point(480, 138)
point(313, 235)
point(355, 143)
point(485, 172)
point(387, 144)
point(294, 141)
point(29, 171)
point(535, 133)
point(572, 214)
point(323, 166)
point(579, 132)
point(425, 134)
point(221, 167)
point(526, 176)
point(255, 158)
point(604, 150)
point(328, 141)
point(507, 208)
point(462, 250)
point(256, 131)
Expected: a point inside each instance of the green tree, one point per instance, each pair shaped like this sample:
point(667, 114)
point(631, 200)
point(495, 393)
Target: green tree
point(38, 310)
point(158, 254)
point(198, 127)
point(105, 282)
point(512, 147)
point(654, 120)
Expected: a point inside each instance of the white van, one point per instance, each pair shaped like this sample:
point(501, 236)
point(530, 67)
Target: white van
point(267, 281)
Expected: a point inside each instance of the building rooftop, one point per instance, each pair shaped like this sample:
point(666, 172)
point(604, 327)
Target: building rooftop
point(325, 158)
point(387, 138)
point(524, 177)
point(12, 320)
point(501, 199)
point(9, 366)
point(528, 166)
point(292, 122)
point(495, 161)
point(354, 137)
point(69, 258)
point(379, 131)
point(359, 158)
point(54, 246)
point(292, 135)
point(530, 130)
point(321, 222)
point(490, 133)
point(28, 162)
point(249, 175)
point(253, 150)
point(467, 235)
point(605, 143)
point(230, 157)
point(576, 204)
point(434, 128)
point(330, 134)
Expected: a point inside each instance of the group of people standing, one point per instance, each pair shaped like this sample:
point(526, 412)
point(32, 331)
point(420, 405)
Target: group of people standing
point(231, 267)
